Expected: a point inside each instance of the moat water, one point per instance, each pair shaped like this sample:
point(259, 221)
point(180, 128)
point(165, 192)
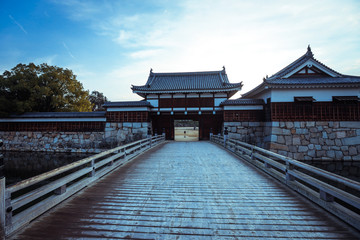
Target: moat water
point(23, 165)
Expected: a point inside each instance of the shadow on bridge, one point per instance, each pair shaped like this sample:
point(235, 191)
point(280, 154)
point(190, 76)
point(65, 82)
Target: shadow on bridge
point(183, 190)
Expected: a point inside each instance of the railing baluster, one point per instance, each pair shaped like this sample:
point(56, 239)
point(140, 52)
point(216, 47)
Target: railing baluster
point(60, 190)
point(326, 196)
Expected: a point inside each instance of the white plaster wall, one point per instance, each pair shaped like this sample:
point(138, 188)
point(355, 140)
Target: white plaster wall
point(323, 95)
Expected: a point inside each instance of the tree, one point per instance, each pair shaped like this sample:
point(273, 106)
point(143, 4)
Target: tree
point(97, 100)
point(43, 88)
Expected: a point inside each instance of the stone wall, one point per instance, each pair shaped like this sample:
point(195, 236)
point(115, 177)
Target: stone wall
point(334, 140)
point(249, 132)
point(115, 134)
point(120, 133)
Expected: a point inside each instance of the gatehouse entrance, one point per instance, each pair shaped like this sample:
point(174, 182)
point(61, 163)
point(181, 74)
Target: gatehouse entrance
point(186, 130)
point(205, 123)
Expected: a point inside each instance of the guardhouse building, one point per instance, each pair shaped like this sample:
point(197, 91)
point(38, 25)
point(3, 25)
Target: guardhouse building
point(187, 95)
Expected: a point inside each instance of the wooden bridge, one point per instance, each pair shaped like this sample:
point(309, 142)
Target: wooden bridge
point(192, 190)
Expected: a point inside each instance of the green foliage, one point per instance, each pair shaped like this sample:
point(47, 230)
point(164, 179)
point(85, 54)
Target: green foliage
point(97, 100)
point(43, 88)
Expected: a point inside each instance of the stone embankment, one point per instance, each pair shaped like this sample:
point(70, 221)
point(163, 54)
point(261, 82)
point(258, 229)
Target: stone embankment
point(115, 134)
point(334, 140)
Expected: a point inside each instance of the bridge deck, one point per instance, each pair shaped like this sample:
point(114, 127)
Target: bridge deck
point(187, 190)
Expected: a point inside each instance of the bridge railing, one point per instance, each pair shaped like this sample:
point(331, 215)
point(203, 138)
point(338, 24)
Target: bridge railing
point(26, 200)
point(337, 194)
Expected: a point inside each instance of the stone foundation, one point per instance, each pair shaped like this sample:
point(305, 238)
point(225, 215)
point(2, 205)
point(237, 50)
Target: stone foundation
point(334, 140)
point(249, 132)
point(316, 140)
point(115, 134)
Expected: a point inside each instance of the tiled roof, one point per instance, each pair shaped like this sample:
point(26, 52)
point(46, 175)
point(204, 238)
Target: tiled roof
point(242, 101)
point(128, 104)
point(186, 82)
point(281, 79)
point(60, 115)
point(315, 80)
point(291, 67)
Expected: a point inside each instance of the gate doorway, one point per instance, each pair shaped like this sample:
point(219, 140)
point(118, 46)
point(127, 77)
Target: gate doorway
point(186, 130)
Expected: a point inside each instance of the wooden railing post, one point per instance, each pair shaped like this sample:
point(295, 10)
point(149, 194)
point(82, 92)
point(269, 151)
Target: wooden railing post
point(288, 176)
point(92, 173)
point(225, 136)
point(2, 207)
point(2, 196)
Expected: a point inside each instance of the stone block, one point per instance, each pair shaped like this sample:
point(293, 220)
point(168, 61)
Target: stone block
point(296, 141)
point(314, 140)
point(339, 155)
point(311, 146)
point(313, 130)
point(330, 154)
point(136, 125)
point(321, 123)
point(311, 153)
point(320, 153)
point(297, 124)
point(298, 156)
point(352, 151)
point(276, 146)
point(272, 138)
point(127, 124)
point(288, 139)
point(302, 131)
point(332, 135)
point(310, 124)
point(289, 125)
point(303, 149)
point(281, 139)
point(282, 124)
point(344, 148)
point(350, 124)
point(324, 135)
point(254, 124)
point(275, 124)
point(351, 140)
point(280, 131)
point(329, 142)
point(340, 134)
point(293, 149)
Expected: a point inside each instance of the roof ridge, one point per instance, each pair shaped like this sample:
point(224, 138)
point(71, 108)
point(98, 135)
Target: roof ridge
point(188, 73)
point(290, 66)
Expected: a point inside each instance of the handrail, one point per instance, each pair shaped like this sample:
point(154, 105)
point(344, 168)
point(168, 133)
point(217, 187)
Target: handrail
point(337, 194)
point(26, 200)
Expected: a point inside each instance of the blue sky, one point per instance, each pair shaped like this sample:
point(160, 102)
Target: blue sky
point(110, 45)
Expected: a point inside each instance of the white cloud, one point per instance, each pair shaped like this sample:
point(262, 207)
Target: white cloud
point(251, 38)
